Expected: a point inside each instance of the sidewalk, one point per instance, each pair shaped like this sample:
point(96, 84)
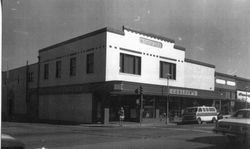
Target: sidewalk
point(129, 124)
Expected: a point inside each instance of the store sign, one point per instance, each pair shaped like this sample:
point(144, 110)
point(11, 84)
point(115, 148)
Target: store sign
point(118, 86)
point(150, 42)
point(183, 92)
point(231, 83)
point(243, 95)
point(220, 81)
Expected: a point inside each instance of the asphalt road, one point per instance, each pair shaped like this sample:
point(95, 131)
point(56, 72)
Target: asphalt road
point(80, 136)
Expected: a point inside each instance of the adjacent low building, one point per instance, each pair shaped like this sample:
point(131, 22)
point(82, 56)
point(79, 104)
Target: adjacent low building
point(88, 78)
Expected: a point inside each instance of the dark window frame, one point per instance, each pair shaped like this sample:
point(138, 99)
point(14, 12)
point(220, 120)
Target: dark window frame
point(125, 59)
point(72, 69)
point(30, 76)
point(171, 71)
point(90, 58)
point(58, 69)
point(46, 72)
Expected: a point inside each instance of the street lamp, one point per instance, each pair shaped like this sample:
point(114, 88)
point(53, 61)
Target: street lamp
point(167, 113)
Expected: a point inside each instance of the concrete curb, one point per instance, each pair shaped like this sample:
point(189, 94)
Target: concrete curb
point(129, 125)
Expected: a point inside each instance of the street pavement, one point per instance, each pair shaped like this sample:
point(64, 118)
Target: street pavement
point(129, 136)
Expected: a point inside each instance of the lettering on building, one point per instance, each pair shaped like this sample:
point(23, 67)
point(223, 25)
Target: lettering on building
point(150, 42)
point(183, 92)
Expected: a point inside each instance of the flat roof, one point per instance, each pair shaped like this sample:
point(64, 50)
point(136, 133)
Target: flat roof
point(82, 37)
point(112, 30)
point(150, 35)
point(199, 63)
point(231, 76)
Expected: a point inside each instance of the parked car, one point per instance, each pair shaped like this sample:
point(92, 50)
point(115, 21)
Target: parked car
point(8, 142)
point(200, 114)
point(236, 127)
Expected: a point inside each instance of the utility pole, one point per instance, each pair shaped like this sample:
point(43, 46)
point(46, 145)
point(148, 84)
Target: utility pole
point(167, 108)
point(141, 101)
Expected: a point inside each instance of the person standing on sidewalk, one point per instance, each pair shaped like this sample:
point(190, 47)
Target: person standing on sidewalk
point(121, 115)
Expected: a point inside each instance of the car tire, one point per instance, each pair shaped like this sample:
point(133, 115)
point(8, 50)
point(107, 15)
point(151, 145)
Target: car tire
point(199, 121)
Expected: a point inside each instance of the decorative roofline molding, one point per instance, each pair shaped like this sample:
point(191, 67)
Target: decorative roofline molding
point(149, 34)
point(112, 30)
point(106, 29)
point(179, 48)
point(231, 76)
point(199, 63)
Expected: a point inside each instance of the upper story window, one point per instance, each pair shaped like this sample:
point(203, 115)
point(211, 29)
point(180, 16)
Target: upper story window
point(46, 72)
point(30, 77)
point(58, 69)
point(167, 70)
point(130, 64)
point(90, 63)
point(72, 66)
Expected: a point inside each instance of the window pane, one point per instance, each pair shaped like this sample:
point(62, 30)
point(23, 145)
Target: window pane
point(167, 69)
point(46, 71)
point(73, 66)
point(130, 64)
point(137, 66)
point(58, 69)
point(90, 63)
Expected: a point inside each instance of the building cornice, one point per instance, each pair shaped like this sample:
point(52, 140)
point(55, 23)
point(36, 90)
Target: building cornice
point(112, 30)
point(82, 37)
point(149, 34)
point(231, 76)
point(199, 63)
point(179, 48)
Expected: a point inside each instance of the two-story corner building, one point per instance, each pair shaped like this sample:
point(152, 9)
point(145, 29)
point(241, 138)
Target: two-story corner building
point(88, 78)
point(81, 77)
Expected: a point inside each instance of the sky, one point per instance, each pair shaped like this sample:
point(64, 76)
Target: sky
point(212, 31)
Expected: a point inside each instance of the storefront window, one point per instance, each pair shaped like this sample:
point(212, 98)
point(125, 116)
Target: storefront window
point(149, 108)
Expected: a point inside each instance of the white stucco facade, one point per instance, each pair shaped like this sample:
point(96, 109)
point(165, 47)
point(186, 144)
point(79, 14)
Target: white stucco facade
point(150, 59)
point(108, 45)
point(199, 76)
point(79, 49)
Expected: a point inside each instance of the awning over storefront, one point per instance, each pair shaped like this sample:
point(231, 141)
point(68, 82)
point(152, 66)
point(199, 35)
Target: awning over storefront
point(131, 88)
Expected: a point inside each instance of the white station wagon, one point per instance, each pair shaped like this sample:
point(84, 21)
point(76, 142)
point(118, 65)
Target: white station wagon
point(236, 127)
point(200, 114)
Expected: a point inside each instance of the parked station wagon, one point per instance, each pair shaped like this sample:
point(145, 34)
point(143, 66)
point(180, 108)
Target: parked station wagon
point(236, 127)
point(200, 114)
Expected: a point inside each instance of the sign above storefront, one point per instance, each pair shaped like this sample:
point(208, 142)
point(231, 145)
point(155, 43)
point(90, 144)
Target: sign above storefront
point(243, 95)
point(183, 92)
point(150, 42)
